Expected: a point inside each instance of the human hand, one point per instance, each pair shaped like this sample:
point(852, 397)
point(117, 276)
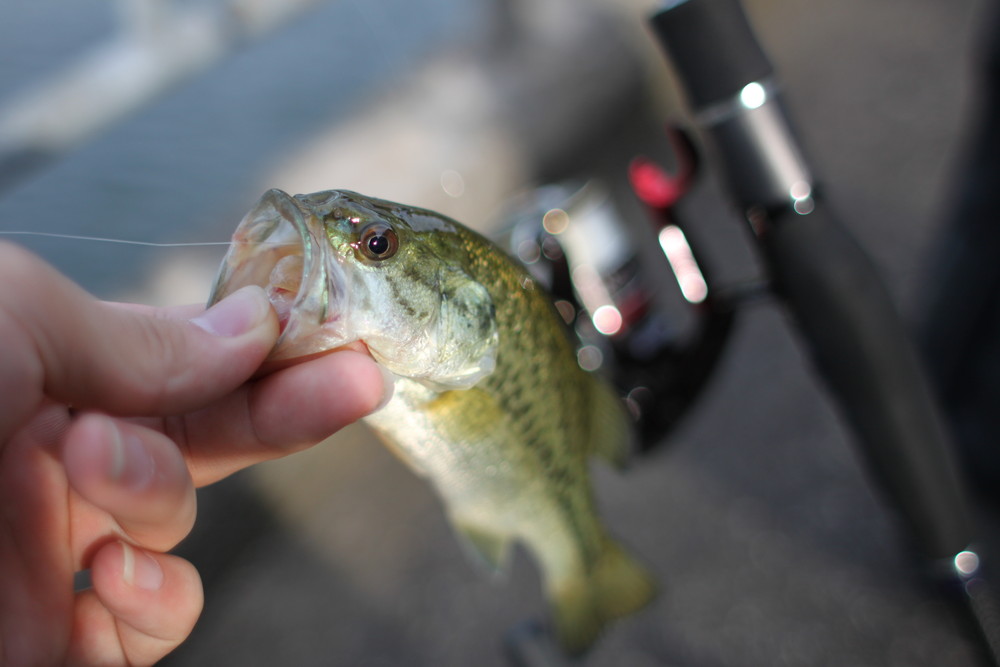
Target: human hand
point(110, 416)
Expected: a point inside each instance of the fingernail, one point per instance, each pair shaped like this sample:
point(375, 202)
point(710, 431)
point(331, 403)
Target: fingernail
point(389, 387)
point(139, 569)
point(131, 464)
point(237, 314)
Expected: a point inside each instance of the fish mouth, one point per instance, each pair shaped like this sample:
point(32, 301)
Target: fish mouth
point(282, 247)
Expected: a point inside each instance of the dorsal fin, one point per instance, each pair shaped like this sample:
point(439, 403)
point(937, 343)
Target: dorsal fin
point(610, 433)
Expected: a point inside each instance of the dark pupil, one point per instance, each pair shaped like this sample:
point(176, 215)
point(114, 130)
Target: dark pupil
point(378, 244)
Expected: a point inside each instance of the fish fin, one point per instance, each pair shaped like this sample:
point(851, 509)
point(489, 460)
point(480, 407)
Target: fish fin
point(491, 549)
point(467, 335)
point(584, 605)
point(470, 415)
point(610, 433)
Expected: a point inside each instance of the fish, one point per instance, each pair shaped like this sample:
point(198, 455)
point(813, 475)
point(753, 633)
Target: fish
point(489, 401)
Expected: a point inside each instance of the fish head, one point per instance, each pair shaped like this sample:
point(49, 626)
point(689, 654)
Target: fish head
point(339, 267)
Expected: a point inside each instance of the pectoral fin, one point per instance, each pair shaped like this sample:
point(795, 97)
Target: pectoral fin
point(466, 334)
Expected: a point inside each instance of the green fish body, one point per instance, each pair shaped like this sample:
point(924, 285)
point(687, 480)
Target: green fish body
point(490, 403)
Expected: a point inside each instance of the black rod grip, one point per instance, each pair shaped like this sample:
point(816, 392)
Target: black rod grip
point(861, 348)
point(712, 47)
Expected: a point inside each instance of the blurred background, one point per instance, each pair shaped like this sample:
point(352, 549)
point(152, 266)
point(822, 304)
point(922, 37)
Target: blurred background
point(163, 121)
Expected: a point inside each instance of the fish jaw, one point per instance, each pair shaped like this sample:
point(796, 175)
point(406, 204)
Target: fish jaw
point(281, 246)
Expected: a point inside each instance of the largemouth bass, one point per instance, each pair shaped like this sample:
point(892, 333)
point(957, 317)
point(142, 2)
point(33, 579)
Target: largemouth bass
point(490, 403)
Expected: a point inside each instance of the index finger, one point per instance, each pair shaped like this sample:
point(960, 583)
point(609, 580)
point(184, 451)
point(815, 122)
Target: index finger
point(279, 414)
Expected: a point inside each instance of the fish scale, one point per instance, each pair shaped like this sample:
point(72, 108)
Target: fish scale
point(490, 404)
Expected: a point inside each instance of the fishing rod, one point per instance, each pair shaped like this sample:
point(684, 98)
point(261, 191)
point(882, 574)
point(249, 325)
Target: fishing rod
point(830, 286)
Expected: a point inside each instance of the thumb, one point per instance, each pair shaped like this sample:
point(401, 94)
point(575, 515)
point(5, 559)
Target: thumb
point(80, 351)
point(142, 364)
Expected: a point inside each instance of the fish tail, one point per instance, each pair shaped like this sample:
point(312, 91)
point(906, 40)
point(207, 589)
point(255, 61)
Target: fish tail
point(616, 586)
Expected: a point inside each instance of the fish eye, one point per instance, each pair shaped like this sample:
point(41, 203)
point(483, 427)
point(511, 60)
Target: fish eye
point(378, 242)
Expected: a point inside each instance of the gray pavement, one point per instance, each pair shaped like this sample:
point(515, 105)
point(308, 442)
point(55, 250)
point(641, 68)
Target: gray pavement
point(771, 545)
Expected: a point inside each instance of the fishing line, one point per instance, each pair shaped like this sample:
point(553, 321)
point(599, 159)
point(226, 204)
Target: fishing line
point(101, 239)
point(75, 237)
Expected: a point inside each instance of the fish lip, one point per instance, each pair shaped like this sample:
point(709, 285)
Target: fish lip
point(312, 323)
point(308, 303)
